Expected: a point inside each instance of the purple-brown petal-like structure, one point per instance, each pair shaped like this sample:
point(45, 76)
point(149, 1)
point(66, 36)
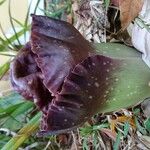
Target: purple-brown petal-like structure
point(59, 70)
point(83, 93)
point(26, 77)
point(59, 47)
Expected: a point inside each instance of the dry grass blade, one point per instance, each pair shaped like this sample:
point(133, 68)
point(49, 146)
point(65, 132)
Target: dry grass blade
point(7, 39)
point(11, 22)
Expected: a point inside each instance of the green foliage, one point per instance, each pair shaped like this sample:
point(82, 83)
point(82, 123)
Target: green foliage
point(133, 77)
point(139, 126)
point(58, 8)
point(16, 119)
point(4, 68)
point(13, 113)
point(2, 1)
point(126, 129)
point(106, 3)
point(3, 140)
point(147, 125)
point(5, 44)
point(90, 129)
point(95, 139)
point(13, 110)
point(85, 144)
point(117, 143)
point(23, 134)
point(12, 24)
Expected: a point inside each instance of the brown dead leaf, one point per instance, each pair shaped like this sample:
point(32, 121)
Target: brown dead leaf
point(63, 139)
point(115, 2)
point(129, 9)
point(109, 133)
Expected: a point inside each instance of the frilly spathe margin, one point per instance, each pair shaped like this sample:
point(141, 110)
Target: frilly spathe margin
point(61, 73)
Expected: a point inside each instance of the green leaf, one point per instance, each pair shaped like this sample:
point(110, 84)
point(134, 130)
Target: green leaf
point(106, 3)
point(23, 134)
point(6, 39)
point(55, 14)
point(14, 121)
point(147, 124)
point(117, 142)
point(126, 129)
point(8, 105)
point(18, 22)
point(11, 22)
point(133, 77)
point(89, 129)
point(4, 112)
point(10, 100)
point(5, 43)
point(27, 19)
point(1, 2)
point(95, 140)
point(3, 140)
point(139, 127)
point(85, 145)
point(4, 68)
point(7, 54)
point(136, 111)
point(13, 110)
point(36, 6)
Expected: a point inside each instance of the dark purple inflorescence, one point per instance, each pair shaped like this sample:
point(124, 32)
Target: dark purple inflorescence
point(59, 71)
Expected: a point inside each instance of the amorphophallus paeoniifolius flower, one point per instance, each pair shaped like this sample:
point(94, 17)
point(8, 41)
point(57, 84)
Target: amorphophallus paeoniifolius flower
point(70, 79)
